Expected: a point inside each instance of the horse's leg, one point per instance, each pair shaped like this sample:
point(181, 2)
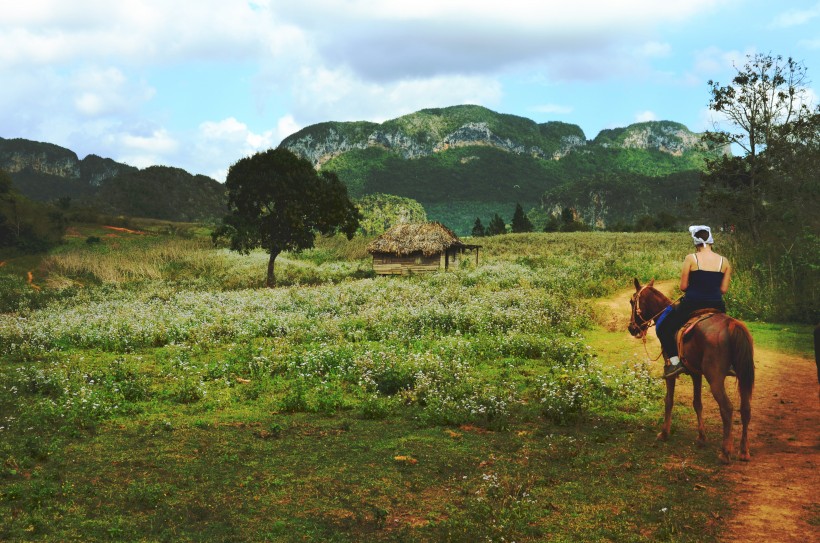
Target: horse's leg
point(745, 417)
point(697, 383)
point(667, 415)
point(719, 392)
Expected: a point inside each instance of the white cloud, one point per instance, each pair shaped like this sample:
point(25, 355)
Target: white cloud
point(221, 143)
point(143, 150)
point(132, 32)
point(286, 126)
point(796, 17)
point(715, 63)
point(645, 116)
point(321, 94)
point(654, 49)
point(91, 72)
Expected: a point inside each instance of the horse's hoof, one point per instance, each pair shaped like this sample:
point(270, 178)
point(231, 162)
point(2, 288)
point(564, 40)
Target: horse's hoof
point(663, 436)
point(701, 443)
point(724, 458)
point(745, 457)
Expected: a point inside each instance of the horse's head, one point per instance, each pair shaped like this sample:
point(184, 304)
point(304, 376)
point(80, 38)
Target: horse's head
point(644, 302)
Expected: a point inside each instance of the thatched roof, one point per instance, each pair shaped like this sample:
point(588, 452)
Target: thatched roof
point(403, 239)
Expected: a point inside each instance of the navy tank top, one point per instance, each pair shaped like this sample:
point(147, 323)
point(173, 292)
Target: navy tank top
point(704, 286)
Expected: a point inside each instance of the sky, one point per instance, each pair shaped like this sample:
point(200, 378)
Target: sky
point(199, 84)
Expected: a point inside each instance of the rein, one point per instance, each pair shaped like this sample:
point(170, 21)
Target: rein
point(647, 323)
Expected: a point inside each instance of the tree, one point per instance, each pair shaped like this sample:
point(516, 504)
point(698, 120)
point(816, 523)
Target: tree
point(520, 222)
point(278, 202)
point(552, 224)
point(26, 225)
point(496, 226)
point(570, 222)
point(382, 211)
point(771, 191)
point(767, 93)
point(478, 229)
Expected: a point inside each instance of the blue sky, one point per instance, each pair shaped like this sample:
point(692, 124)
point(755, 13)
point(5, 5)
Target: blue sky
point(198, 84)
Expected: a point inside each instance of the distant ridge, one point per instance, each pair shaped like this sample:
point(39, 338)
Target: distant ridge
point(48, 172)
point(461, 163)
point(467, 161)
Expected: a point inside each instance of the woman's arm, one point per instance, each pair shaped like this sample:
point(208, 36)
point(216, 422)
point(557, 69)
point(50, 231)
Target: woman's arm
point(727, 276)
point(684, 273)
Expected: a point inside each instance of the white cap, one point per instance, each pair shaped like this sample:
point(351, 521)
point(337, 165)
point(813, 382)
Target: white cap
point(697, 228)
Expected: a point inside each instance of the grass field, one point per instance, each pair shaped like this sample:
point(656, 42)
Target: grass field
point(152, 391)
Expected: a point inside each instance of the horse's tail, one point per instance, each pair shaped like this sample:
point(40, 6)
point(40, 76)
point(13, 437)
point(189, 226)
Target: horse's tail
point(742, 350)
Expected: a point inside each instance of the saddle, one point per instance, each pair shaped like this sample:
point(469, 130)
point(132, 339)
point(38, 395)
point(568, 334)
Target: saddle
point(686, 330)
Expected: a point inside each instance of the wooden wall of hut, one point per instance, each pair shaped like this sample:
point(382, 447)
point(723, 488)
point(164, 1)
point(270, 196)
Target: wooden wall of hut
point(387, 264)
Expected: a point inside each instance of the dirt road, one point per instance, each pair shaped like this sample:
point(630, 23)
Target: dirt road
point(775, 497)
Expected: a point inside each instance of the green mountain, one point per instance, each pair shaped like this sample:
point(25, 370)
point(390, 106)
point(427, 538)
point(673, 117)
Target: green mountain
point(47, 172)
point(464, 162)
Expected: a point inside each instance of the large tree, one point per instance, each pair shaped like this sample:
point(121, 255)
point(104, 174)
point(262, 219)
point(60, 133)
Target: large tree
point(771, 190)
point(278, 202)
point(766, 94)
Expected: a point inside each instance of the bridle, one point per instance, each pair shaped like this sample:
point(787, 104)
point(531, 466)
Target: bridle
point(645, 323)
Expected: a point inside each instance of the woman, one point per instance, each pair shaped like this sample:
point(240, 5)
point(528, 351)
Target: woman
point(704, 280)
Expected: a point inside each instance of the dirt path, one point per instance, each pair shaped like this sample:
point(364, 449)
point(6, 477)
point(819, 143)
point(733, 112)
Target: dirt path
point(776, 496)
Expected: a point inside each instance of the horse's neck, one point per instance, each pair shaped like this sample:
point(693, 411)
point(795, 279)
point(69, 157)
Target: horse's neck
point(656, 301)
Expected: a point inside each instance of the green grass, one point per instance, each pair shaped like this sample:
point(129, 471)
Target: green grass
point(790, 338)
point(465, 406)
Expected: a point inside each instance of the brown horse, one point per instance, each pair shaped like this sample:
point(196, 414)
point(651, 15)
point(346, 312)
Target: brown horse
point(714, 346)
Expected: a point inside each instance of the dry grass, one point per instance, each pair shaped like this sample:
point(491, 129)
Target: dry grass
point(404, 239)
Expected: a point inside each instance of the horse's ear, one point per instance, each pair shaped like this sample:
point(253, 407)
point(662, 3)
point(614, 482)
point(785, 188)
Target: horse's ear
point(652, 282)
point(637, 284)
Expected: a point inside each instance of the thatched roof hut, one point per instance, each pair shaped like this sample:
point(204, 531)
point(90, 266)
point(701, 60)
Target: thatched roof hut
point(416, 248)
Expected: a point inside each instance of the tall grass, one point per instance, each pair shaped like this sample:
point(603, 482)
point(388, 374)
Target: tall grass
point(335, 407)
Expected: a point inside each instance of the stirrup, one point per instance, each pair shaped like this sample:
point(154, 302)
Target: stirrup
point(673, 370)
point(731, 372)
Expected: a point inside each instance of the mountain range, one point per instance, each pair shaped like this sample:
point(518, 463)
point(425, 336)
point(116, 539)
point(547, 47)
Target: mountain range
point(467, 162)
point(47, 172)
point(460, 162)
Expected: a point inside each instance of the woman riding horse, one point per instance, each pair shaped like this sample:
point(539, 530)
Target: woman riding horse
point(704, 280)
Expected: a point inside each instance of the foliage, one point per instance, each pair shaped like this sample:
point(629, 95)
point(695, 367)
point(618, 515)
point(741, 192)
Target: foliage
point(278, 202)
point(771, 193)
point(161, 192)
point(478, 229)
point(381, 211)
point(603, 199)
point(767, 94)
point(396, 409)
point(459, 182)
point(520, 223)
point(496, 226)
point(26, 225)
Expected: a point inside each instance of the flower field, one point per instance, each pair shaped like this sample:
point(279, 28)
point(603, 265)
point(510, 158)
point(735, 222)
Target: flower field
point(157, 364)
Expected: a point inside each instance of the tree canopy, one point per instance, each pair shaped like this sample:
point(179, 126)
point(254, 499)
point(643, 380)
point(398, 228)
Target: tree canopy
point(766, 98)
point(278, 202)
point(771, 192)
point(382, 211)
